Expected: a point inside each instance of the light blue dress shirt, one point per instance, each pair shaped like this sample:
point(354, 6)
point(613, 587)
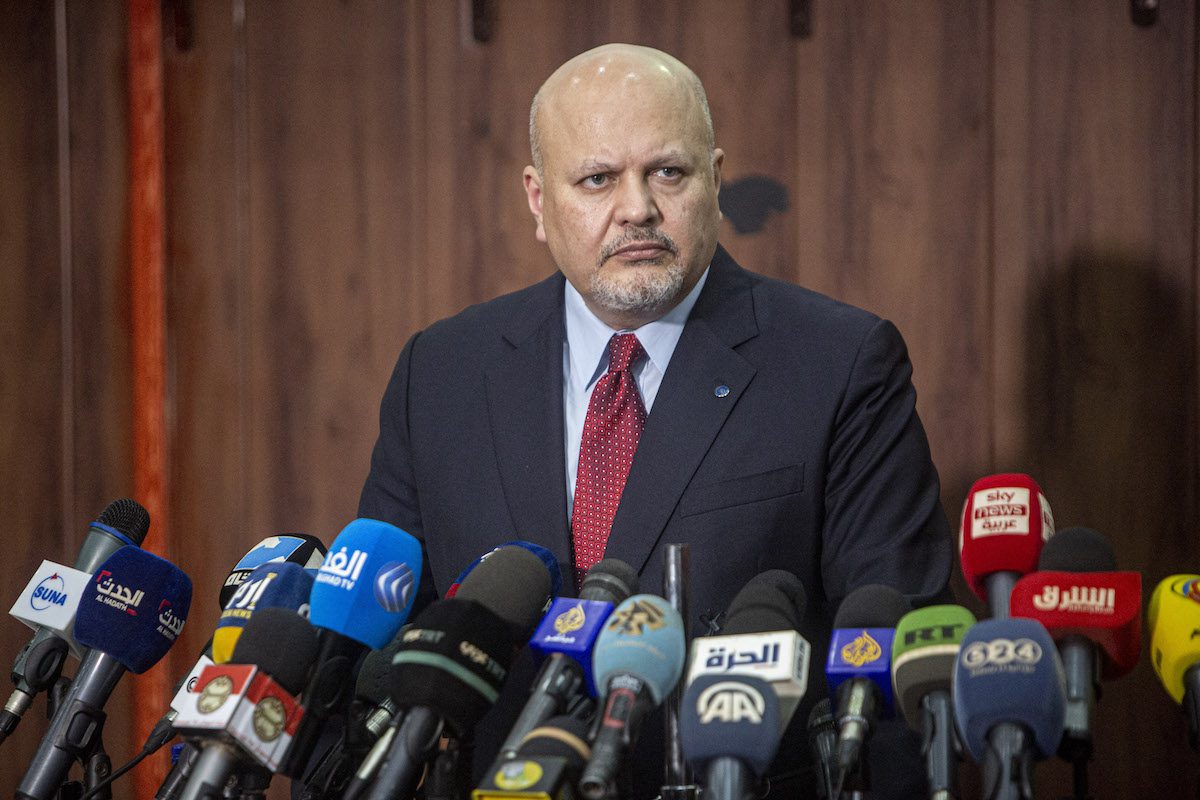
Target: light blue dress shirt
point(585, 359)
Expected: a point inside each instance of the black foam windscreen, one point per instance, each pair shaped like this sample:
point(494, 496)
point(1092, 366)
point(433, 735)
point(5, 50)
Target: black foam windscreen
point(1077, 550)
point(561, 737)
point(610, 580)
point(281, 643)
point(372, 675)
point(872, 606)
point(127, 516)
point(453, 659)
point(514, 584)
point(759, 608)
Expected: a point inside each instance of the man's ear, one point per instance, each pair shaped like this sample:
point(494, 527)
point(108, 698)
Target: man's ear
point(718, 159)
point(533, 193)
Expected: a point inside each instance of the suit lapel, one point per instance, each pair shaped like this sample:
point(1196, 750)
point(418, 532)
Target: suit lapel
point(524, 394)
point(688, 411)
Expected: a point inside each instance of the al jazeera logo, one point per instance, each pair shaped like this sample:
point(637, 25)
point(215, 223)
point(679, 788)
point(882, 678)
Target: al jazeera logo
point(570, 620)
point(639, 617)
point(863, 650)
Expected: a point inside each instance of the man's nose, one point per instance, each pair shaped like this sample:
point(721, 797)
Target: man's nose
point(636, 205)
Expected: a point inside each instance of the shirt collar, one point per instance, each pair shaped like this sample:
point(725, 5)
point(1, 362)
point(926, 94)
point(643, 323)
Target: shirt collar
point(587, 336)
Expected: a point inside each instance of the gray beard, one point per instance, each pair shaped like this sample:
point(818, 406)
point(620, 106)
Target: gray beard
point(649, 290)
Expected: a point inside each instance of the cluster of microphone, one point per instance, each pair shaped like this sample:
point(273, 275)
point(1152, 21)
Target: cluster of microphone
point(315, 670)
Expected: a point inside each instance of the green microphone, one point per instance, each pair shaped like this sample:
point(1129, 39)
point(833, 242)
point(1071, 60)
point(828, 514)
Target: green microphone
point(924, 653)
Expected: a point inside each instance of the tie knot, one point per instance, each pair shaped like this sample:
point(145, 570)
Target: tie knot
point(623, 350)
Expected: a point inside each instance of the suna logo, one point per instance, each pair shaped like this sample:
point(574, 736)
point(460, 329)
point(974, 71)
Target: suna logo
point(730, 701)
point(50, 592)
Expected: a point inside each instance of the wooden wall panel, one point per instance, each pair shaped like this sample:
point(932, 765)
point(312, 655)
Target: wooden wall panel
point(891, 172)
point(1094, 340)
point(31, 434)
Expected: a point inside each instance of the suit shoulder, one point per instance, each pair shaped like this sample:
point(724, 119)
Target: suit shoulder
point(787, 307)
point(501, 315)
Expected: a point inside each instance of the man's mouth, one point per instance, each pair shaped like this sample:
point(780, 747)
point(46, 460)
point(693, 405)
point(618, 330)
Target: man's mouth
point(640, 251)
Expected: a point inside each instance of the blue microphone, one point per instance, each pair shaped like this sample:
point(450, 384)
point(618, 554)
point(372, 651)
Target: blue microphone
point(295, 548)
point(361, 596)
point(728, 723)
point(1009, 701)
point(566, 638)
point(130, 615)
point(859, 669)
point(638, 660)
point(273, 585)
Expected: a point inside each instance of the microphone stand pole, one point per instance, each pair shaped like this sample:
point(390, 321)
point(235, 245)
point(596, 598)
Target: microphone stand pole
point(677, 780)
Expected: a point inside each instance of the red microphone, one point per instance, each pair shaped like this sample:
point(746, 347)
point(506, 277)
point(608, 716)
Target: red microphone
point(1005, 521)
point(1105, 607)
point(1094, 614)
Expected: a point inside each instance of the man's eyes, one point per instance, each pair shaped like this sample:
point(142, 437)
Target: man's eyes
point(601, 179)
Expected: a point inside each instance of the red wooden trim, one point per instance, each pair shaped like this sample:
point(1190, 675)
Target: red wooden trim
point(148, 305)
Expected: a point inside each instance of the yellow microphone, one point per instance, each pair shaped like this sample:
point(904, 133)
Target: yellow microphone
point(1173, 617)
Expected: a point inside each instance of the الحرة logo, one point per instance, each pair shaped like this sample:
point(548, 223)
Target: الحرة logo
point(638, 617)
point(863, 650)
point(570, 620)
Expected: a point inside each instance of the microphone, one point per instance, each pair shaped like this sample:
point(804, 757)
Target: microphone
point(130, 616)
point(1009, 702)
point(566, 638)
point(822, 742)
point(761, 638)
point(453, 661)
point(1093, 612)
point(545, 555)
point(859, 668)
point(638, 659)
point(272, 585)
point(245, 712)
point(546, 766)
point(1174, 619)
point(295, 548)
point(730, 725)
point(371, 715)
point(361, 596)
point(52, 613)
point(1005, 521)
point(924, 653)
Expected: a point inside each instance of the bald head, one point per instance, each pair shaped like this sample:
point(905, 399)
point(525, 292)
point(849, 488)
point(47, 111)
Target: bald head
point(617, 68)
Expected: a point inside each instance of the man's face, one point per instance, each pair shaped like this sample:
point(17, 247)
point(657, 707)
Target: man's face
point(627, 197)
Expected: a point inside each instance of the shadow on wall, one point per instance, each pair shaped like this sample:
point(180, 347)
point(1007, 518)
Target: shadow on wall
point(1108, 396)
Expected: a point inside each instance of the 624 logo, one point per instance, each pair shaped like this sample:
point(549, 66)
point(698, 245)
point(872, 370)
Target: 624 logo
point(999, 655)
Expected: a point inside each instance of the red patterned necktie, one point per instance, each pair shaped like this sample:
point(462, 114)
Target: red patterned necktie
point(615, 418)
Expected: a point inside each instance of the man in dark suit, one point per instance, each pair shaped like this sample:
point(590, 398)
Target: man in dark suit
point(763, 424)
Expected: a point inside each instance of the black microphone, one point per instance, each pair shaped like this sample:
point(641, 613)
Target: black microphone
point(732, 715)
point(859, 668)
point(454, 660)
point(546, 766)
point(257, 706)
point(130, 616)
point(567, 637)
point(39, 664)
point(822, 741)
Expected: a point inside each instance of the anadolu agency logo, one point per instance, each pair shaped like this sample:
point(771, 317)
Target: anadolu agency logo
point(52, 591)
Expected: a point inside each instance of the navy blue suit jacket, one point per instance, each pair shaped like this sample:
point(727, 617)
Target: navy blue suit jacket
point(814, 461)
